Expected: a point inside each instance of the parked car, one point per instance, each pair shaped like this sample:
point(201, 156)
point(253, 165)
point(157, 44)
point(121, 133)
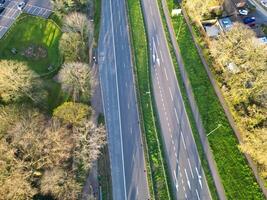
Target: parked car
point(21, 5)
point(248, 20)
point(243, 12)
point(2, 2)
point(2, 9)
point(264, 3)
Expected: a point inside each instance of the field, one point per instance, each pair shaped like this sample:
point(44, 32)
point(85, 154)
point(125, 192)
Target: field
point(155, 164)
point(35, 41)
point(237, 178)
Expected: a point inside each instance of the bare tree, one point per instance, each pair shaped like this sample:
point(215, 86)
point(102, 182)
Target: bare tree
point(90, 140)
point(77, 80)
point(72, 47)
point(78, 22)
point(17, 81)
point(60, 184)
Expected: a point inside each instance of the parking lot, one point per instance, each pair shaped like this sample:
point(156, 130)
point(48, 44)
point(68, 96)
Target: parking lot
point(34, 7)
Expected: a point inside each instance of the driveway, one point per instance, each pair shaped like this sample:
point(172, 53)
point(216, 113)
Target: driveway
point(10, 14)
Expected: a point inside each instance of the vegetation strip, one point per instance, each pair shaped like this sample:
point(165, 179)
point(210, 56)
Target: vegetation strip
point(236, 175)
point(156, 166)
point(189, 112)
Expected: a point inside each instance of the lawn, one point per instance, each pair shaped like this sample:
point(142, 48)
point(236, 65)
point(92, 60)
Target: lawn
point(28, 32)
point(36, 42)
point(237, 178)
point(157, 175)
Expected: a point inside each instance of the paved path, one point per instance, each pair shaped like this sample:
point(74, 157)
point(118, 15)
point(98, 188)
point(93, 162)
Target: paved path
point(186, 173)
point(129, 179)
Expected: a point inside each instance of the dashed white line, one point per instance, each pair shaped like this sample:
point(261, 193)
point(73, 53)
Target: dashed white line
point(188, 182)
point(161, 55)
point(176, 181)
point(171, 94)
point(190, 168)
point(166, 73)
point(183, 140)
point(197, 195)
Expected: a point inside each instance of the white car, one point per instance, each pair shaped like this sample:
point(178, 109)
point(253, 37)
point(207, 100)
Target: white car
point(243, 12)
point(21, 5)
point(264, 3)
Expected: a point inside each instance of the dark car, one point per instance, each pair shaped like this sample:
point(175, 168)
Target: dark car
point(1, 9)
point(248, 20)
point(2, 2)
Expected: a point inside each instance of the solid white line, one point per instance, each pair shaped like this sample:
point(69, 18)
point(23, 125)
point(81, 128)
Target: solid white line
point(190, 168)
point(113, 40)
point(183, 139)
point(188, 182)
point(171, 94)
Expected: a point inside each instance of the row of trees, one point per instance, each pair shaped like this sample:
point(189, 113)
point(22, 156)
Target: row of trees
point(240, 64)
point(241, 61)
point(42, 154)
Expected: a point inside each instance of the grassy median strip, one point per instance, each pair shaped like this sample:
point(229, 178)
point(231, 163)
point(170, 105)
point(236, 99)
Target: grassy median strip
point(156, 171)
point(237, 178)
point(202, 156)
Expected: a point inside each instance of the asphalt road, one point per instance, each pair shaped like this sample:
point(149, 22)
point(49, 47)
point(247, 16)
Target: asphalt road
point(188, 179)
point(129, 179)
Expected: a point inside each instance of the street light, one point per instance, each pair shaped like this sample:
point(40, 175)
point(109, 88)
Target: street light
point(219, 125)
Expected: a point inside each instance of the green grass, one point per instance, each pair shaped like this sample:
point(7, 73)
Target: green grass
point(155, 169)
point(30, 30)
point(237, 178)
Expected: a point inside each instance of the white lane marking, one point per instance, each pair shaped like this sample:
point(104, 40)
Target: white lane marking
point(176, 115)
point(197, 195)
point(188, 182)
point(157, 39)
point(172, 142)
point(166, 73)
point(114, 50)
point(175, 154)
point(183, 140)
point(185, 195)
point(154, 25)
point(176, 181)
point(128, 106)
point(171, 94)
point(190, 168)
point(174, 149)
point(161, 55)
point(199, 178)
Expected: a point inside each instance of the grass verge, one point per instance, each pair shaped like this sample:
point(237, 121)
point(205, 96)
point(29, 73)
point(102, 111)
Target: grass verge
point(204, 162)
point(237, 178)
point(155, 170)
point(97, 18)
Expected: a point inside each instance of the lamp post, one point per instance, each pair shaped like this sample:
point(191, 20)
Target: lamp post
point(219, 125)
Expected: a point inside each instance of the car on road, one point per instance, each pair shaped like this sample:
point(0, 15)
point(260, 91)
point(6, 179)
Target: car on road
point(243, 12)
point(264, 3)
point(2, 2)
point(1, 9)
point(21, 5)
point(248, 20)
